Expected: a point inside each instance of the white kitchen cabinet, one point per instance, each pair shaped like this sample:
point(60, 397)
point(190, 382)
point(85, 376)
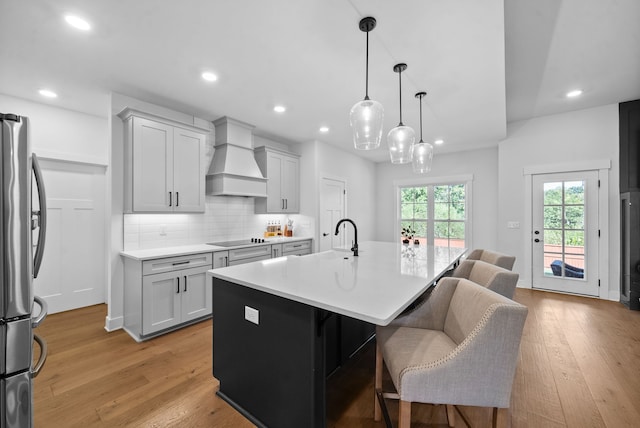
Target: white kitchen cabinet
point(164, 164)
point(164, 294)
point(220, 259)
point(282, 170)
point(297, 248)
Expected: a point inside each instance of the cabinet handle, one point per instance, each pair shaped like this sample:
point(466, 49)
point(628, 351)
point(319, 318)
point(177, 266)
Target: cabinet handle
point(170, 199)
point(282, 200)
point(178, 289)
point(185, 284)
point(226, 261)
point(286, 204)
point(181, 263)
point(177, 199)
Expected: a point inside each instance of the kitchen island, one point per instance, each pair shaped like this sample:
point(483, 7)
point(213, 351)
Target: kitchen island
point(269, 321)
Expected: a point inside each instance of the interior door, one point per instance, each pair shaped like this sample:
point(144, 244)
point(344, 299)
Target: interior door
point(565, 232)
point(332, 209)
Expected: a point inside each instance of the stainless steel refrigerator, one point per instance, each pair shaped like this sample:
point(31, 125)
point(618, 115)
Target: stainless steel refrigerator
point(22, 220)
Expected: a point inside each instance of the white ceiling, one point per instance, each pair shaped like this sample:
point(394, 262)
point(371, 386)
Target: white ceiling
point(482, 62)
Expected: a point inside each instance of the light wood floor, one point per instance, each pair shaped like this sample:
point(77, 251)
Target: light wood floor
point(579, 367)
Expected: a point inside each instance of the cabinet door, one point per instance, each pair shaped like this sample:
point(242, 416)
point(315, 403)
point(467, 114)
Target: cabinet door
point(152, 165)
point(276, 250)
point(275, 166)
point(196, 295)
point(290, 184)
point(220, 259)
point(188, 172)
point(160, 301)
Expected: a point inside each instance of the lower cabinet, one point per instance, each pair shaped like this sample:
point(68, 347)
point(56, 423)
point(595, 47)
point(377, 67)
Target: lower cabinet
point(298, 248)
point(164, 294)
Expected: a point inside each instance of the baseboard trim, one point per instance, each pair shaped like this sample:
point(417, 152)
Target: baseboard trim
point(113, 324)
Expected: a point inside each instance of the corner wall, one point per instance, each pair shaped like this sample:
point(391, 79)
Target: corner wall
point(562, 139)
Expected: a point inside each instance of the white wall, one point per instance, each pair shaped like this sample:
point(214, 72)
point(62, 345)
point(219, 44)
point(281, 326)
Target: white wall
point(482, 164)
point(319, 160)
point(61, 134)
point(562, 139)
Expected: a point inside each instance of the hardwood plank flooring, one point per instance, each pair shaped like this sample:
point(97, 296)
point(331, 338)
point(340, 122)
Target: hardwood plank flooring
point(579, 367)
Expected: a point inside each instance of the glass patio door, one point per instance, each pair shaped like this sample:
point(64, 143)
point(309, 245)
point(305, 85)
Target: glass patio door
point(564, 238)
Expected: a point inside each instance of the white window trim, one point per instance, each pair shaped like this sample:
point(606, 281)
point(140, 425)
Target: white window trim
point(467, 179)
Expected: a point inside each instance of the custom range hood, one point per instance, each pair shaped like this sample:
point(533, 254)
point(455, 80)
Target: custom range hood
point(233, 170)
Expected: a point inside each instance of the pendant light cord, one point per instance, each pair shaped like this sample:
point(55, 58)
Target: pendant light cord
point(366, 80)
point(400, 82)
point(421, 118)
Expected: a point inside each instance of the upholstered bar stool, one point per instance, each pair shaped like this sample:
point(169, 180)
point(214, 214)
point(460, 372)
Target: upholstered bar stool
point(460, 347)
point(493, 277)
point(493, 257)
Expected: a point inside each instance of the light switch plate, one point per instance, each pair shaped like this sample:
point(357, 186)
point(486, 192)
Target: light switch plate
point(252, 315)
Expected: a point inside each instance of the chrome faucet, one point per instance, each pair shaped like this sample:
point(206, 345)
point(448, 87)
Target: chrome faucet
point(355, 245)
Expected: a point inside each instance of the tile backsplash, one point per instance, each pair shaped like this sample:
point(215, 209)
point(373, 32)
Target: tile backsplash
point(226, 218)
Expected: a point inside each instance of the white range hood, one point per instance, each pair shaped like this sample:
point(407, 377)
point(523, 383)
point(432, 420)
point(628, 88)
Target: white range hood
point(233, 170)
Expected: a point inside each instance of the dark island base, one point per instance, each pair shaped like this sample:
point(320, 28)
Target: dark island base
point(273, 372)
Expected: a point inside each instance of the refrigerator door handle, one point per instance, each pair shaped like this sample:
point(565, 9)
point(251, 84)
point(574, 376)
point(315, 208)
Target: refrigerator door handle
point(35, 322)
point(43, 355)
point(42, 215)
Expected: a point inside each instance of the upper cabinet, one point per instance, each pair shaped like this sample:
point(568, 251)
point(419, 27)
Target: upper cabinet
point(282, 170)
point(164, 164)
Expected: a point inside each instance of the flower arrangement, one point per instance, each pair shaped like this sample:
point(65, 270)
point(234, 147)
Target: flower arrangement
point(407, 234)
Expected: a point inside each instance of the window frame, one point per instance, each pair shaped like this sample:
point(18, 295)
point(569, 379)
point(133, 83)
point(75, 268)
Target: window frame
point(466, 180)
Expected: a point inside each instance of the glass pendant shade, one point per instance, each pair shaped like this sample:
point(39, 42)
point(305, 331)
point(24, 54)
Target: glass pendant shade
point(400, 141)
point(422, 157)
point(366, 124)
point(401, 138)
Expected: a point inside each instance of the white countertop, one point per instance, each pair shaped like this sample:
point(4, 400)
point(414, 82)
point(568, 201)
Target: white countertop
point(155, 253)
point(375, 287)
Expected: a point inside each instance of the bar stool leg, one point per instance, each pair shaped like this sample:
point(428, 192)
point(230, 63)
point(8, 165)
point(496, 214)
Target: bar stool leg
point(378, 384)
point(404, 419)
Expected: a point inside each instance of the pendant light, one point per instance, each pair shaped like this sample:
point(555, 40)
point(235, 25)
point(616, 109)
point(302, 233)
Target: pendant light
point(422, 152)
point(400, 139)
point(366, 116)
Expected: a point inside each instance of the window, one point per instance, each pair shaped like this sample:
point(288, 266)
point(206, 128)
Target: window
point(434, 214)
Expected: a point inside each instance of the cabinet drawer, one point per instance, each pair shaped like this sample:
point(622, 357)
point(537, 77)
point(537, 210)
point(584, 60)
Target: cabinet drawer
point(294, 247)
point(176, 263)
point(250, 253)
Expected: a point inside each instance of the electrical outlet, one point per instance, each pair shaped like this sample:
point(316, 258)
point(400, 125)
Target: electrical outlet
point(252, 315)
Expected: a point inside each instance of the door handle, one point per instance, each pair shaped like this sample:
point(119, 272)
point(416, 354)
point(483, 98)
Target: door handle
point(42, 214)
point(325, 234)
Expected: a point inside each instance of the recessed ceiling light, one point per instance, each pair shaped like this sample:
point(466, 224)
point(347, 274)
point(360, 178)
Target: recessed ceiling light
point(324, 129)
point(438, 142)
point(209, 76)
point(279, 109)
point(77, 22)
point(574, 93)
point(47, 93)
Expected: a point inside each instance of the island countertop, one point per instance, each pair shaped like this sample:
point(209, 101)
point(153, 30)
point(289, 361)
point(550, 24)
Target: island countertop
point(375, 287)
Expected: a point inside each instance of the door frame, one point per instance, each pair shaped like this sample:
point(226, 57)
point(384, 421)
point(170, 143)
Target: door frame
point(602, 166)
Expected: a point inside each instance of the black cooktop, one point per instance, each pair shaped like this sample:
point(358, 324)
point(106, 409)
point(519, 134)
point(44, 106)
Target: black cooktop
point(238, 242)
